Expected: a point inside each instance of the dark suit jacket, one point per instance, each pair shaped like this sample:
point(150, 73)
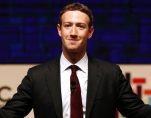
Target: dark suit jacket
point(108, 90)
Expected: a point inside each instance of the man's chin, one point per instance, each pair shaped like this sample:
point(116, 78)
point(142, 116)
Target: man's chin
point(73, 51)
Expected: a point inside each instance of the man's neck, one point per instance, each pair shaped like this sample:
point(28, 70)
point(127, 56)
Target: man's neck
point(74, 57)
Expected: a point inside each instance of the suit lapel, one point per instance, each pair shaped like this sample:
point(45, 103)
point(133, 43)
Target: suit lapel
point(54, 85)
point(93, 82)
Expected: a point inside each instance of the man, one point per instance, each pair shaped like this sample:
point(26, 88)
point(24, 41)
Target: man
point(47, 88)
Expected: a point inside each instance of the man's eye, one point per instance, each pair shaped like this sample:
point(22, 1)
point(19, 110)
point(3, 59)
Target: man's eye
point(67, 25)
point(81, 26)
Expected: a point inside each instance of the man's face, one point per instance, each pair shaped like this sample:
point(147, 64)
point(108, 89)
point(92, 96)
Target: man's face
point(74, 31)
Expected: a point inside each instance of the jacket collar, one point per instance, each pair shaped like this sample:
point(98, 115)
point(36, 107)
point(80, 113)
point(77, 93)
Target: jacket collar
point(54, 84)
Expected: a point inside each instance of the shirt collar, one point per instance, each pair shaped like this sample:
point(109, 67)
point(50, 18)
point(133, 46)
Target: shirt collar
point(82, 64)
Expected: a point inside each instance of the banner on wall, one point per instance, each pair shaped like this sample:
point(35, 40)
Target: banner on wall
point(12, 75)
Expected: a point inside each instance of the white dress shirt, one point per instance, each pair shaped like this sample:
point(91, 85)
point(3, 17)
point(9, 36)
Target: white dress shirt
point(65, 83)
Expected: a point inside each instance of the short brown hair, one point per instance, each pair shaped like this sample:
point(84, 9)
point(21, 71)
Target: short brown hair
point(77, 6)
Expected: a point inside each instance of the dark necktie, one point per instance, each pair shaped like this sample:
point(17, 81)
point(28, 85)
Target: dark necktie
point(76, 102)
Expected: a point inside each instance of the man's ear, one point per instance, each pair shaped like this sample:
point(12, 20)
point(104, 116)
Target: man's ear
point(91, 30)
point(59, 29)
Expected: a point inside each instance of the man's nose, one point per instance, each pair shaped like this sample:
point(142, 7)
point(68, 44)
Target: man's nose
point(73, 31)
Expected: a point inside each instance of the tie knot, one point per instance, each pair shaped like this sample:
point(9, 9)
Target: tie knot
point(74, 68)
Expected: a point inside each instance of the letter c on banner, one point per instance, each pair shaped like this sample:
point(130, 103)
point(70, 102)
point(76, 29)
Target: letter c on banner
point(4, 88)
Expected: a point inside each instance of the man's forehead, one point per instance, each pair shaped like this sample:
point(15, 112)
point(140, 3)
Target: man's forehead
point(74, 12)
point(76, 16)
point(77, 23)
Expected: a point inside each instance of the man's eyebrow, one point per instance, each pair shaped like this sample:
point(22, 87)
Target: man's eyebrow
point(74, 22)
point(81, 23)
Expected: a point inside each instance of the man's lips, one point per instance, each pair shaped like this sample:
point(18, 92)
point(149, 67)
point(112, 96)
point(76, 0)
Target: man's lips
point(73, 41)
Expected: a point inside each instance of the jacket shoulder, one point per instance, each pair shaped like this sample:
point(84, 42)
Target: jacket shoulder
point(40, 68)
point(103, 64)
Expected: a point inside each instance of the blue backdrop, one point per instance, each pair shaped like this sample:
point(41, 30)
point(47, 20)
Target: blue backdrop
point(122, 30)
